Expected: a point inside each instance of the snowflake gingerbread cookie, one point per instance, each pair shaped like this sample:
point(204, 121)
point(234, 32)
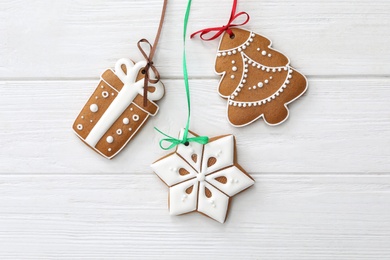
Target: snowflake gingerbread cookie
point(257, 80)
point(203, 178)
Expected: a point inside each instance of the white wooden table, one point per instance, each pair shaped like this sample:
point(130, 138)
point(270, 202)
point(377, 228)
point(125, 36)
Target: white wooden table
point(322, 178)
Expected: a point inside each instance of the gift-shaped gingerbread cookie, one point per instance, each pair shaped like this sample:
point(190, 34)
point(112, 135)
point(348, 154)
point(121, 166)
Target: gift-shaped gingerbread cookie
point(116, 110)
point(257, 80)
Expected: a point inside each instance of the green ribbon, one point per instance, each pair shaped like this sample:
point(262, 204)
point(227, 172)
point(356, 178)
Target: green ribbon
point(185, 140)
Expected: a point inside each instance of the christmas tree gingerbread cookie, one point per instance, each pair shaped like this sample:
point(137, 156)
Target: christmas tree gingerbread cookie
point(257, 80)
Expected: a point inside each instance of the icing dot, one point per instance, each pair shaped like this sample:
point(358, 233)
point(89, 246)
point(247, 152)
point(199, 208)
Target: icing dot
point(135, 117)
point(229, 53)
point(130, 129)
point(258, 49)
point(105, 94)
point(234, 51)
point(249, 62)
point(233, 61)
point(245, 75)
point(82, 117)
point(91, 120)
point(80, 127)
point(232, 76)
point(126, 121)
point(273, 70)
point(131, 109)
point(110, 139)
point(254, 87)
point(271, 77)
point(223, 53)
point(112, 93)
point(109, 149)
point(96, 97)
point(234, 68)
point(270, 55)
point(239, 49)
point(268, 69)
point(94, 108)
point(245, 70)
point(119, 131)
point(260, 84)
point(102, 86)
point(266, 81)
point(249, 88)
point(244, 80)
point(219, 54)
point(263, 53)
point(244, 47)
point(280, 69)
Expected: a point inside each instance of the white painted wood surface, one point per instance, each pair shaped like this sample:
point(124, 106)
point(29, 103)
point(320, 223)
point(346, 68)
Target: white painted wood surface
point(322, 178)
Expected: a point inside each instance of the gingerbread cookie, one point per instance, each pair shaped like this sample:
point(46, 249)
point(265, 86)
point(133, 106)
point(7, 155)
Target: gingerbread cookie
point(203, 178)
point(257, 80)
point(115, 112)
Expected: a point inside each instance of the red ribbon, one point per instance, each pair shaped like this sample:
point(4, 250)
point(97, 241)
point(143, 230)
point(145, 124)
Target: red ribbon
point(223, 28)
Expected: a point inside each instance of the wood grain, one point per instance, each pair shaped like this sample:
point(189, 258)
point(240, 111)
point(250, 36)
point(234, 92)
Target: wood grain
point(322, 178)
point(79, 39)
point(297, 216)
point(340, 125)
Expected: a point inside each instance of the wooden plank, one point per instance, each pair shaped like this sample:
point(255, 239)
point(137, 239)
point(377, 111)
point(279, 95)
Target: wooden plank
point(65, 39)
point(284, 216)
point(340, 125)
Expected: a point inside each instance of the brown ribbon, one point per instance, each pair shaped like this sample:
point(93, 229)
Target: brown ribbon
point(149, 59)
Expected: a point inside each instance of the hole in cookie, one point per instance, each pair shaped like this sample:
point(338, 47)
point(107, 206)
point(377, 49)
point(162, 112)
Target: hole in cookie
point(207, 192)
point(232, 36)
point(189, 189)
point(187, 143)
point(211, 161)
point(151, 89)
point(194, 157)
point(143, 71)
point(183, 172)
point(221, 179)
point(123, 67)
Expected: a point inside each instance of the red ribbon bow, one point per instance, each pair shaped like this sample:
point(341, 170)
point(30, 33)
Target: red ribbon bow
point(223, 28)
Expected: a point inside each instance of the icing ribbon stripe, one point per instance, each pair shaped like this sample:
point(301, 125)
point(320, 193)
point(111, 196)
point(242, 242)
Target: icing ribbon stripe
point(221, 29)
point(149, 59)
point(185, 140)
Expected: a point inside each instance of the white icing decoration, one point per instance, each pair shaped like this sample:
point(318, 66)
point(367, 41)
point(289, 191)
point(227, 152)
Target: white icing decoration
point(232, 76)
point(109, 149)
point(105, 94)
point(248, 60)
point(264, 53)
point(135, 118)
point(234, 68)
point(80, 127)
point(202, 177)
point(124, 98)
point(94, 108)
point(233, 61)
point(110, 139)
point(119, 131)
point(126, 121)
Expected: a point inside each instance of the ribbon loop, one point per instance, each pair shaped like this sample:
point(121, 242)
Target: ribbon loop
point(225, 28)
point(149, 65)
point(175, 141)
